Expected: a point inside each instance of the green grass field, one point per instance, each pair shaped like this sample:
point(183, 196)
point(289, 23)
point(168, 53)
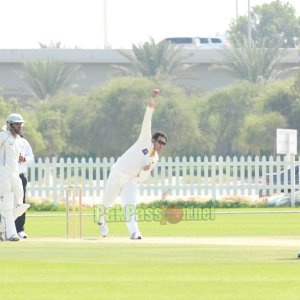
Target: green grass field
point(48, 266)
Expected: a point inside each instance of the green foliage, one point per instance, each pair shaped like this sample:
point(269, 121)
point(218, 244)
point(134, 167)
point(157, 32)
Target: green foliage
point(258, 133)
point(283, 98)
point(237, 120)
point(176, 118)
point(277, 97)
point(112, 116)
point(45, 205)
point(48, 78)
point(116, 121)
point(214, 204)
point(275, 24)
point(51, 45)
point(63, 122)
point(295, 89)
point(5, 109)
point(53, 127)
point(33, 134)
point(31, 130)
point(162, 61)
point(221, 114)
point(257, 64)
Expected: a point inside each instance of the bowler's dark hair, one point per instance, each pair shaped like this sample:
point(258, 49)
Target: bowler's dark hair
point(156, 135)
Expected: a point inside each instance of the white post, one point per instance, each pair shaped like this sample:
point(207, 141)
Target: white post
point(249, 24)
point(292, 160)
point(105, 23)
point(287, 145)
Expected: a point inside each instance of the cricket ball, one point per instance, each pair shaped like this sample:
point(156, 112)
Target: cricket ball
point(174, 214)
point(155, 92)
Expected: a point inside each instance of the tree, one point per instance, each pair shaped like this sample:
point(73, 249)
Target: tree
point(63, 123)
point(276, 106)
point(277, 97)
point(33, 134)
point(6, 108)
point(53, 128)
point(258, 133)
point(295, 89)
point(252, 63)
point(177, 119)
point(114, 113)
point(31, 131)
point(161, 61)
point(47, 78)
point(275, 24)
point(221, 114)
point(51, 45)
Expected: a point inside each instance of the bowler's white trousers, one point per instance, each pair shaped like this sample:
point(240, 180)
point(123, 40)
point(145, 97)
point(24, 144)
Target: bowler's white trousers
point(11, 194)
point(119, 183)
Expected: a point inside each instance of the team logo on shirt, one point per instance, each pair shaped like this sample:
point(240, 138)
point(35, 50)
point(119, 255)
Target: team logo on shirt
point(145, 151)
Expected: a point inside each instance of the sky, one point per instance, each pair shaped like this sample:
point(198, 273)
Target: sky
point(81, 23)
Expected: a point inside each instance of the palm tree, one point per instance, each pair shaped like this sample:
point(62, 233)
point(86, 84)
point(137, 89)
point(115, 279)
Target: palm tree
point(47, 78)
point(252, 63)
point(163, 61)
point(51, 45)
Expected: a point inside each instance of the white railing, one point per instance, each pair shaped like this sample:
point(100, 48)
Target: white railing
point(211, 178)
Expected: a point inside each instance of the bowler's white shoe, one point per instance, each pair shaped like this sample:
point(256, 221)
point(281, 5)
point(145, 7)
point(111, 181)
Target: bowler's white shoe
point(22, 235)
point(20, 209)
point(136, 236)
point(14, 238)
point(103, 229)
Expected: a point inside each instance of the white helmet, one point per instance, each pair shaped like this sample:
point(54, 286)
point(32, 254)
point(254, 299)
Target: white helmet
point(14, 118)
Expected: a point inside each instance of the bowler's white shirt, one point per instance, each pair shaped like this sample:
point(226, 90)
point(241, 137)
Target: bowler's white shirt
point(139, 154)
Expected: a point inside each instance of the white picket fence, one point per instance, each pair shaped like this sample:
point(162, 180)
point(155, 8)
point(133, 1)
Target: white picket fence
point(211, 178)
